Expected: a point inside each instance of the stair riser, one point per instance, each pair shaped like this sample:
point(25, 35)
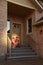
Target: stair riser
point(24, 56)
point(21, 47)
point(21, 50)
point(25, 52)
point(31, 53)
point(21, 55)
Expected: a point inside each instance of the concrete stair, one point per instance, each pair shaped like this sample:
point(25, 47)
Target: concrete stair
point(22, 52)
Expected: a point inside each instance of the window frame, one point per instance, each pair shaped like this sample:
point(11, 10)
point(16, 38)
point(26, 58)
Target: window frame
point(27, 27)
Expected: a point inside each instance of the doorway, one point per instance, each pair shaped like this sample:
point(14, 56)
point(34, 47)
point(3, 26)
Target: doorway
point(17, 32)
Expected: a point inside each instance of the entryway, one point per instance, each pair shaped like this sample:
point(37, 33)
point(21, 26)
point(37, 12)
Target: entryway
point(15, 29)
point(16, 34)
point(17, 14)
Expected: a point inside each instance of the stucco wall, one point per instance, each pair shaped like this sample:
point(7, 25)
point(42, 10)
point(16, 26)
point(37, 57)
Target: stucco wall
point(25, 3)
point(3, 27)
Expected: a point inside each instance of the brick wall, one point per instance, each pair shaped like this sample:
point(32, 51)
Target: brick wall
point(38, 15)
point(3, 27)
point(36, 35)
point(35, 39)
point(38, 38)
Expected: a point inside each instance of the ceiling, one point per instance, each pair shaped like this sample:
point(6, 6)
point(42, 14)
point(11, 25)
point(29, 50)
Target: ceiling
point(14, 9)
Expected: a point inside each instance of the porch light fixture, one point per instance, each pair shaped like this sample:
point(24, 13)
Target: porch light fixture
point(39, 4)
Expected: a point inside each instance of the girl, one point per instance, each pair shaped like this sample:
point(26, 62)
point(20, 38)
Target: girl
point(15, 42)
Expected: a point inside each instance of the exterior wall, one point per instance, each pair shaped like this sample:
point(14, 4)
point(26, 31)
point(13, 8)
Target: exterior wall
point(36, 37)
point(31, 39)
point(38, 15)
point(3, 27)
point(25, 3)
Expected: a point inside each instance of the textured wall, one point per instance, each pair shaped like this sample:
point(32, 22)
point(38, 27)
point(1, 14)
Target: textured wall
point(3, 27)
point(38, 15)
point(36, 35)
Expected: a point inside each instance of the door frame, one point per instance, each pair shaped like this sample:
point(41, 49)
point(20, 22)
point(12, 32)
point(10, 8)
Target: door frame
point(21, 32)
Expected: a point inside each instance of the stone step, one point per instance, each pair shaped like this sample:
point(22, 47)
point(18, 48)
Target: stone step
point(22, 53)
point(22, 50)
point(24, 56)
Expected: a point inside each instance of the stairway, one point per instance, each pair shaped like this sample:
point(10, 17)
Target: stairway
point(21, 53)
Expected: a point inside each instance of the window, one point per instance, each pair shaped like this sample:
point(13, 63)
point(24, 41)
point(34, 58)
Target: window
point(29, 26)
point(8, 26)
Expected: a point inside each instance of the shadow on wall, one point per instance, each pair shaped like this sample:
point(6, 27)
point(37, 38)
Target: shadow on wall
point(34, 45)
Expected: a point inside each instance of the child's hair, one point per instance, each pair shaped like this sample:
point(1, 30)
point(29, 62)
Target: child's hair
point(13, 37)
point(17, 37)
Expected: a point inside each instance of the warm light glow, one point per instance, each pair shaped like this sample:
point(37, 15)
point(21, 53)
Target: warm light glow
point(9, 42)
point(14, 35)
